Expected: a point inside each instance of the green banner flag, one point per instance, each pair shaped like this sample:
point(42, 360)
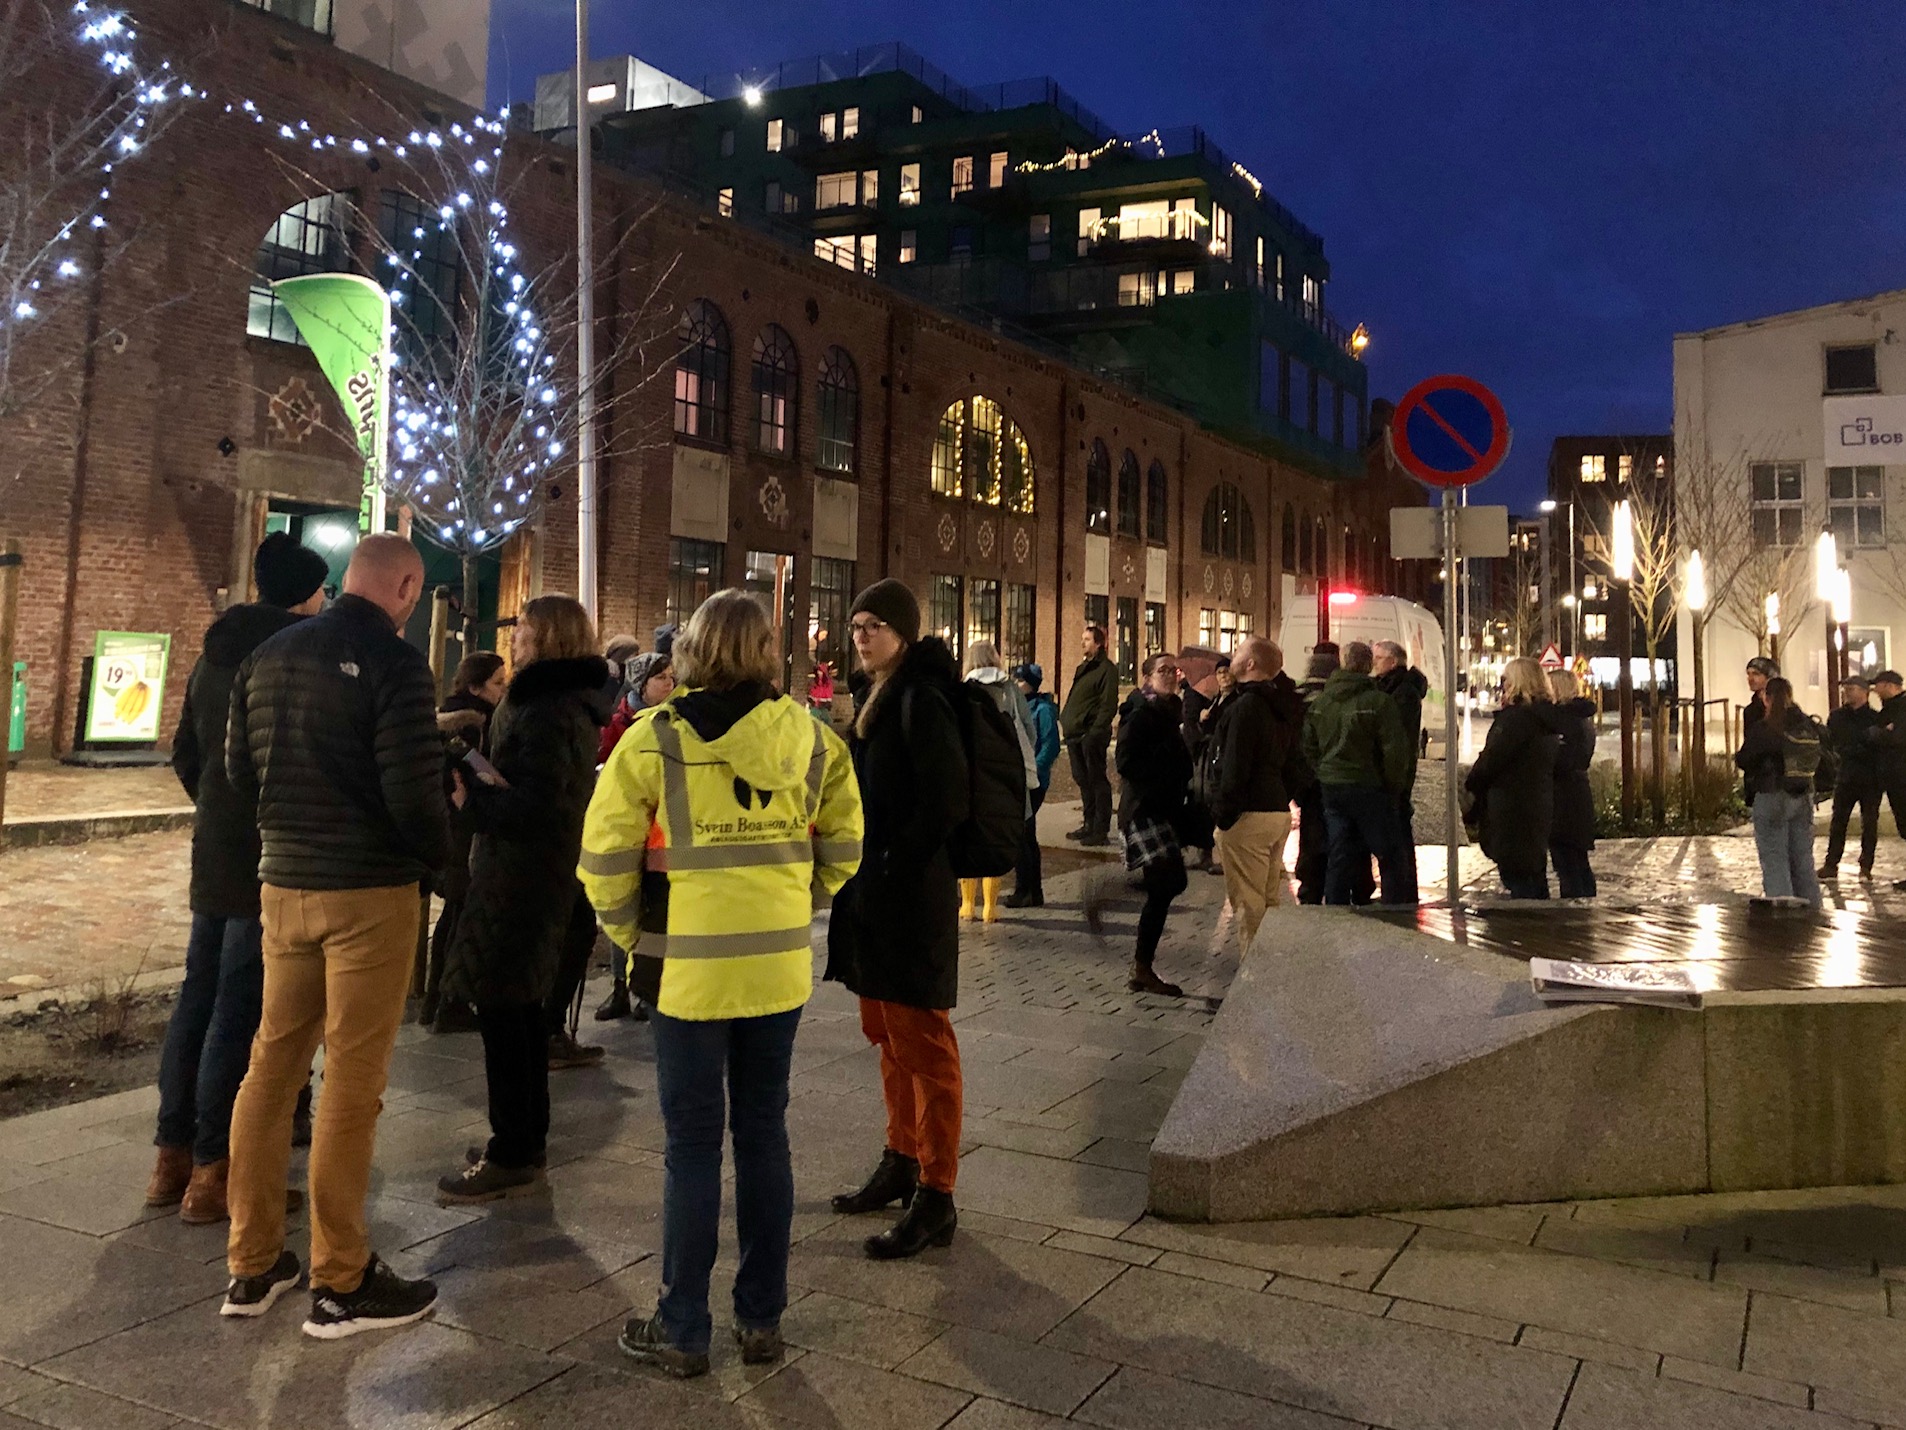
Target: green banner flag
point(345, 319)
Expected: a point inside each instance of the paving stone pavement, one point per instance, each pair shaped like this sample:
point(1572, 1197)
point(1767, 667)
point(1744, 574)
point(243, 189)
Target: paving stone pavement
point(1061, 1302)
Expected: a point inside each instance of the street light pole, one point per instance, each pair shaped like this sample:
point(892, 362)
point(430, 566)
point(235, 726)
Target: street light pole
point(1695, 597)
point(1826, 584)
point(1624, 574)
point(585, 329)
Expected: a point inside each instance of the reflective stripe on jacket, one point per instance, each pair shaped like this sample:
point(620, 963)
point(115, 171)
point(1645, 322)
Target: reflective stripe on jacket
point(707, 855)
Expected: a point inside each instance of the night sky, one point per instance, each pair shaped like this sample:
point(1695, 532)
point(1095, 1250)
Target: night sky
point(1538, 193)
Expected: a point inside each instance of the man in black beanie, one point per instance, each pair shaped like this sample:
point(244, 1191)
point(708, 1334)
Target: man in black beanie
point(208, 1042)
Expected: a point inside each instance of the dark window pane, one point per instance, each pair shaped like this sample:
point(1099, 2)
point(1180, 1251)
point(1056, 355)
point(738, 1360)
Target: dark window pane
point(1098, 489)
point(1852, 369)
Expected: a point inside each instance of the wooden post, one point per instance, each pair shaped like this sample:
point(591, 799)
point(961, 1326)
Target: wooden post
point(10, 564)
point(439, 641)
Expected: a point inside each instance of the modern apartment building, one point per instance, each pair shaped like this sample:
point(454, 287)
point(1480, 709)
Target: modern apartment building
point(1588, 476)
point(1155, 259)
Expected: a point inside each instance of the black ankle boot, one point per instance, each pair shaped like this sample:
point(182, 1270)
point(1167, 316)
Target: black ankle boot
point(894, 1180)
point(929, 1221)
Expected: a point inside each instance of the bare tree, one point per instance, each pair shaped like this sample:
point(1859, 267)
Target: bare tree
point(58, 162)
point(484, 389)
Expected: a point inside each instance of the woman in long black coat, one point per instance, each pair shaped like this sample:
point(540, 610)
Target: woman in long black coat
point(1513, 781)
point(894, 935)
point(1572, 831)
point(523, 886)
point(464, 721)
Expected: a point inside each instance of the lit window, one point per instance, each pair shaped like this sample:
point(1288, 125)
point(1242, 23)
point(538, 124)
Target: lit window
point(837, 251)
point(1208, 628)
point(829, 125)
point(1183, 280)
point(867, 249)
point(982, 610)
point(694, 574)
point(1260, 263)
point(962, 175)
point(1154, 626)
point(1184, 218)
point(776, 133)
point(909, 245)
point(869, 188)
point(996, 171)
point(839, 413)
point(1595, 627)
point(1280, 276)
point(1624, 468)
point(1137, 290)
point(1313, 297)
point(944, 604)
point(727, 143)
point(725, 203)
point(909, 185)
point(1021, 601)
point(834, 191)
point(1088, 230)
point(1775, 488)
point(601, 93)
point(850, 122)
point(307, 238)
point(1220, 231)
point(1594, 469)
point(1150, 219)
point(979, 452)
point(1856, 505)
point(1039, 246)
point(776, 375)
point(701, 374)
point(918, 114)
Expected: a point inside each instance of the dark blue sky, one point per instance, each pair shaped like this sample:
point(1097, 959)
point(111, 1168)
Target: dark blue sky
point(1539, 193)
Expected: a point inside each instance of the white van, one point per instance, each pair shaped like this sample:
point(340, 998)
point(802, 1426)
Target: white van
point(1356, 617)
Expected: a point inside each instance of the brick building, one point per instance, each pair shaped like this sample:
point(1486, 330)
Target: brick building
point(826, 430)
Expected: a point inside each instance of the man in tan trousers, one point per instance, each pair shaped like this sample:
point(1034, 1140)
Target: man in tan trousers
point(333, 739)
point(1257, 764)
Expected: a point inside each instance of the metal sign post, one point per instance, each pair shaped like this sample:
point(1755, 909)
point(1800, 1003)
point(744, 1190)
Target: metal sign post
point(1453, 827)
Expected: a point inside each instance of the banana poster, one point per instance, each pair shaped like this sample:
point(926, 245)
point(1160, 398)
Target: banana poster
point(128, 683)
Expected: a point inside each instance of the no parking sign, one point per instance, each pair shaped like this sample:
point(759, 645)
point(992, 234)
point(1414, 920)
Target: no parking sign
point(1449, 431)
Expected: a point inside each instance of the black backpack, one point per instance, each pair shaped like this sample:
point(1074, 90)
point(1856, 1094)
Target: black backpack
point(985, 844)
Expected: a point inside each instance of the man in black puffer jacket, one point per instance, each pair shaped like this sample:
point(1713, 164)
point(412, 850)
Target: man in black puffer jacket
point(334, 740)
point(208, 1040)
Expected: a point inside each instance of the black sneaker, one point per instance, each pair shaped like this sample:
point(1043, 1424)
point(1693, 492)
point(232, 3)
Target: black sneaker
point(383, 1299)
point(486, 1181)
point(760, 1347)
point(646, 1341)
point(1025, 899)
point(255, 1295)
point(474, 1154)
point(1093, 841)
point(566, 1052)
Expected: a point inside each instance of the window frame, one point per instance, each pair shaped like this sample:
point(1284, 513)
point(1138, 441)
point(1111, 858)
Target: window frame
point(701, 412)
point(1828, 351)
point(1039, 238)
point(777, 136)
point(909, 186)
point(1098, 489)
point(1157, 504)
point(962, 175)
point(946, 610)
point(1847, 515)
point(980, 454)
point(775, 380)
point(273, 260)
point(909, 246)
point(1785, 527)
point(985, 610)
point(837, 413)
point(1125, 630)
point(1130, 515)
point(830, 594)
point(1020, 622)
point(684, 566)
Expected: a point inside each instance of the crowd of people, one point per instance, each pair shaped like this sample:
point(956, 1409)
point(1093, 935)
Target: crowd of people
point(676, 807)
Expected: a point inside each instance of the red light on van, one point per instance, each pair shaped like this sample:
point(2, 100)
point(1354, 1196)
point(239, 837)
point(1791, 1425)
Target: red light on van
point(1343, 598)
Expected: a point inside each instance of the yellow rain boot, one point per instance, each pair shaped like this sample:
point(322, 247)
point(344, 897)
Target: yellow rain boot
point(992, 900)
point(969, 889)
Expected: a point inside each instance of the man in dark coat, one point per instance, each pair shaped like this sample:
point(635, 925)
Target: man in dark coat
point(1888, 739)
point(1353, 740)
point(1086, 721)
point(1154, 768)
point(334, 740)
point(1572, 827)
point(1407, 686)
point(1313, 838)
point(208, 1041)
point(894, 936)
point(1857, 782)
point(520, 918)
point(1256, 749)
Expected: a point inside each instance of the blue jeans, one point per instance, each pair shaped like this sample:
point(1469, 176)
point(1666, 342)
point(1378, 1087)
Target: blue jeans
point(1783, 835)
point(1362, 821)
point(691, 1061)
point(208, 1041)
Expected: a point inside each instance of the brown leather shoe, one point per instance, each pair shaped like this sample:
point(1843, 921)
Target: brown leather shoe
point(205, 1198)
point(169, 1177)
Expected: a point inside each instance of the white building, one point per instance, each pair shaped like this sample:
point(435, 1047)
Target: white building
point(441, 44)
point(1801, 418)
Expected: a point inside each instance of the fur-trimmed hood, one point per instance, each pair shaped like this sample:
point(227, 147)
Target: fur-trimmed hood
point(543, 678)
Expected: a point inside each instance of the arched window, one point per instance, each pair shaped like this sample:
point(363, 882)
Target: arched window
point(1157, 504)
point(1098, 489)
point(701, 375)
point(1323, 550)
point(1130, 495)
point(777, 376)
point(839, 413)
point(1287, 539)
point(307, 238)
point(979, 452)
point(1307, 548)
point(1227, 530)
point(1348, 571)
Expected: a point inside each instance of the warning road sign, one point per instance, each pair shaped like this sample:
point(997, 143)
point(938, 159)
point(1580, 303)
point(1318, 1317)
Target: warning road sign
point(1551, 657)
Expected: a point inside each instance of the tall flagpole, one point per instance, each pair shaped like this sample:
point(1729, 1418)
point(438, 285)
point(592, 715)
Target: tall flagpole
point(585, 331)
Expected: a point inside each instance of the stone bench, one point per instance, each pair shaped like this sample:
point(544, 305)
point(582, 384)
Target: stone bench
point(1358, 1065)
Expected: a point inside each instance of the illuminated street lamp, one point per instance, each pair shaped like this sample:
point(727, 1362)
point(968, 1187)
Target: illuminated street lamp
point(1826, 576)
point(1623, 566)
point(1840, 612)
point(1771, 609)
point(1359, 340)
point(1694, 597)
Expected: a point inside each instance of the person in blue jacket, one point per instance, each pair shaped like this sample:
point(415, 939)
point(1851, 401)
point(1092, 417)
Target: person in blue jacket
point(1028, 881)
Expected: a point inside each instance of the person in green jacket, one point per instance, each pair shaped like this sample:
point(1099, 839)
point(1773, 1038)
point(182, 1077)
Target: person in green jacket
point(1354, 739)
point(1086, 720)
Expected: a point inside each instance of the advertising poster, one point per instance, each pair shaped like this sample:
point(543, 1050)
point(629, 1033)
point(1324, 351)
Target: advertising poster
point(128, 687)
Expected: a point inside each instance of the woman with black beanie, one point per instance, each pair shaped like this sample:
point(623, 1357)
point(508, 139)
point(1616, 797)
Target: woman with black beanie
point(894, 937)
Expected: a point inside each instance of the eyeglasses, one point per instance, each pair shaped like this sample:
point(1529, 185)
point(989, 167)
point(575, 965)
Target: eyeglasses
point(867, 629)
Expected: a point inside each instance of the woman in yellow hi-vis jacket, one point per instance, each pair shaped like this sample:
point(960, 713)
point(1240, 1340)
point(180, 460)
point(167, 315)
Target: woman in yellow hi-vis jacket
point(716, 821)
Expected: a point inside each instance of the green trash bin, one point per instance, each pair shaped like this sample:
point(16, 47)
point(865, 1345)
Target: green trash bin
point(16, 720)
